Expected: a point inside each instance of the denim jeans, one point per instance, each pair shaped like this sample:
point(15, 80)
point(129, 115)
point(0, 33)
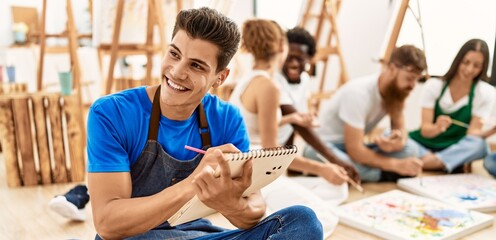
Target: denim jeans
point(296, 222)
point(490, 163)
point(367, 173)
point(466, 150)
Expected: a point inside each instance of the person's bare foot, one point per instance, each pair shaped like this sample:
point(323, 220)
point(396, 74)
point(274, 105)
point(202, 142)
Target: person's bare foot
point(431, 162)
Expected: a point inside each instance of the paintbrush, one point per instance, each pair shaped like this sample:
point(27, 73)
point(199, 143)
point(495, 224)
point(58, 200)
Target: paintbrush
point(420, 178)
point(459, 123)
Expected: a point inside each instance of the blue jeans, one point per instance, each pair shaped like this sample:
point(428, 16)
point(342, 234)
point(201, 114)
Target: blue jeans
point(367, 173)
point(466, 150)
point(490, 163)
point(296, 222)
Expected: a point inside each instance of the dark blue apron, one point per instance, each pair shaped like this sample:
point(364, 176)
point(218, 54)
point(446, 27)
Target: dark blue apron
point(156, 170)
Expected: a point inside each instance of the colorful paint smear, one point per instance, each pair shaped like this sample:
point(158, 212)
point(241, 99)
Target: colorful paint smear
point(400, 215)
point(469, 191)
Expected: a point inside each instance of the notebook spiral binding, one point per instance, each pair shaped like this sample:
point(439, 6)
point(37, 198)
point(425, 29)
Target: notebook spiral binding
point(264, 152)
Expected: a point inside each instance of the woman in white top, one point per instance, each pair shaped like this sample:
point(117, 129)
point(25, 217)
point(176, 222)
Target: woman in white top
point(453, 109)
point(257, 95)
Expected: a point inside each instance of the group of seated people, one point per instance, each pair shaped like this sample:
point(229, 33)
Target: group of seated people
point(139, 173)
point(454, 107)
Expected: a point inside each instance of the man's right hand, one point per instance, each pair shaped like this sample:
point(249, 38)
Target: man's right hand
point(210, 160)
point(410, 166)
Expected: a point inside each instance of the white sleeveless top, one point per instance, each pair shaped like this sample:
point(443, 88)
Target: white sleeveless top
point(251, 119)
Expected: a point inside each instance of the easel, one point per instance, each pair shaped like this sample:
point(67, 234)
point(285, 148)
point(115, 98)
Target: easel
point(395, 31)
point(328, 11)
point(72, 37)
point(155, 16)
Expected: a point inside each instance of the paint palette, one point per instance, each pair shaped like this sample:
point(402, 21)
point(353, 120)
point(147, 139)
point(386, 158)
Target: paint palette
point(401, 215)
point(469, 191)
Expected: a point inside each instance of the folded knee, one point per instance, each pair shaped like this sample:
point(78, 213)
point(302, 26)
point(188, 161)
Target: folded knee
point(490, 164)
point(305, 216)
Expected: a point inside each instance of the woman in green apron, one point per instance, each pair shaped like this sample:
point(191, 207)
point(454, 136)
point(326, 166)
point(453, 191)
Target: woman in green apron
point(453, 109)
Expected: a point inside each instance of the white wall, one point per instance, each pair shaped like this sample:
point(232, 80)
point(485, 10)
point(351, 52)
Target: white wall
point(447, 25)
point(364, 25)
point(55, 18)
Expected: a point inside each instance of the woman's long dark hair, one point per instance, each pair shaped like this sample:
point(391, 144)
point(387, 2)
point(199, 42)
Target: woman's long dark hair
point(477, 45)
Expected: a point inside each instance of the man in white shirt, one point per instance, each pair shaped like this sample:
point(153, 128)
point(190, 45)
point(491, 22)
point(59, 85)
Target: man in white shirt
point(359, 105)
point(294, 81)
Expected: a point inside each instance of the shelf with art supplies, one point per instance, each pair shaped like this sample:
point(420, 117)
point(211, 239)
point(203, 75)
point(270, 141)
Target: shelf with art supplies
point(8, 82)
point(64, 83)
point(42, 134)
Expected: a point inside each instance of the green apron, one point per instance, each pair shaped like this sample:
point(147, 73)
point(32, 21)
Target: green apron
point(454, 133)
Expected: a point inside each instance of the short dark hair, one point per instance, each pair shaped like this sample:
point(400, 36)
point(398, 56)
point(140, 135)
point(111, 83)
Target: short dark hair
point(477, 45)
point(409, 56)
point(302, 36)
point(210, 25)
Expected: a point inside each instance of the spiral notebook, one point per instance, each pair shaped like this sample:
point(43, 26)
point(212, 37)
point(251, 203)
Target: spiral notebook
point(268, 165)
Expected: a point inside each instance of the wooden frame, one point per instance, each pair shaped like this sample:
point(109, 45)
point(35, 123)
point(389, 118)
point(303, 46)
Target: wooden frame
point(154, 16)
point(328, 11)
point(395, 31)
point(72, 37)
point(43, 139)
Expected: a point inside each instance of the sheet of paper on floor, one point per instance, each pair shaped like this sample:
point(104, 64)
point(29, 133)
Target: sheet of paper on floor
point(307, 191)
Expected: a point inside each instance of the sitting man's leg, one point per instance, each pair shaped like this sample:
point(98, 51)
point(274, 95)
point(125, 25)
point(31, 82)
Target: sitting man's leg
point(296, 222)
point(411, 149)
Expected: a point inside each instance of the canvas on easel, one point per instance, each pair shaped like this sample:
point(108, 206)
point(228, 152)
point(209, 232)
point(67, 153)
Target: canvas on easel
point(400, 215)
point(469, 191)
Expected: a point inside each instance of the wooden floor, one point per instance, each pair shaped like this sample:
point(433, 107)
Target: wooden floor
point(24, 213)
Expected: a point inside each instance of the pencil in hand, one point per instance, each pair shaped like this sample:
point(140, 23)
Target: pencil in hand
point(195, 149)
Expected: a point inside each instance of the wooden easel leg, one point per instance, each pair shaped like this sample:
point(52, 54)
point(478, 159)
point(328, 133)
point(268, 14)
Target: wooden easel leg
point(76, 70)
point(396, 30)
point(159, 20)
point(113, 48)
point(149, 42)
point(39, 83)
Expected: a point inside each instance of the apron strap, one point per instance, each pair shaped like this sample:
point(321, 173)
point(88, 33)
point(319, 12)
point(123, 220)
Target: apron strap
point(155, 116)
point(155, 120)
point(204, 131)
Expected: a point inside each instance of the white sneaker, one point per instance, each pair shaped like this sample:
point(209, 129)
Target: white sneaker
point(60, 205)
